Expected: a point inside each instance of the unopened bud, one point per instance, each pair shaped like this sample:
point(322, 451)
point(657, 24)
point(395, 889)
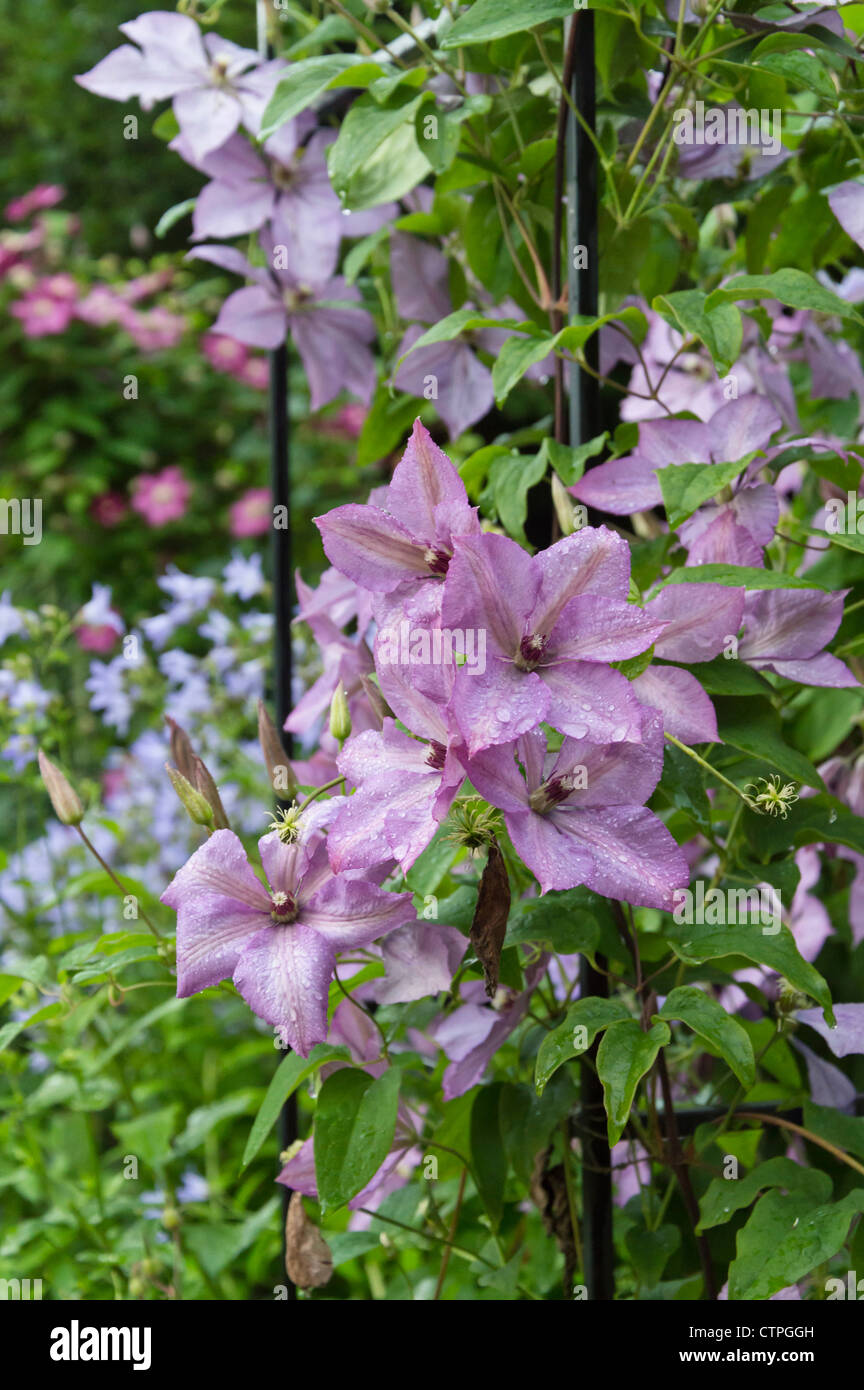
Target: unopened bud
point(181, 750)
point(64, 799)
point(380, 707)
point(198, 807)
point(207, 787)
point(276, 760)
point(340, 715)
point(563, 504)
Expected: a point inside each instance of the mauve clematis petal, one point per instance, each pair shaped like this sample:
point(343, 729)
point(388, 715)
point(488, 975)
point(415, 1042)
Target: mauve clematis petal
point(220, 905)
point(420, 960)
point(791, 624)
point(847, 204)
point(167, 35)
point(463, 386)
point(372, 547)
point(592, 561)
point(352, 912)
point(299, 1172)
point(828, 1085)
point(688, 713)
point(253, 316)
point(699, 618)
point(423, 478)
point(557, 858)
point(634, 856)
point(229, 258)
point(207, 117)
point(284, 975)
point(823, 669)
point(592, 628)
point(591, 701)
point(498, 704)
point(419, 272)
point(621, 486)
point(386, 819)
point(333, 344)
point(492, 583)
point(718, 539)
point(741, 426)
point(616, 774)
point(848, 1037)
point(125, 73)
point(229, 209)
point(475, 1053)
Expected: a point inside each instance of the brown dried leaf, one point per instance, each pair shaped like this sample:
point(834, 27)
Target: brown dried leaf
point(308, 1262)
point(548, 1190)
point(490, 916)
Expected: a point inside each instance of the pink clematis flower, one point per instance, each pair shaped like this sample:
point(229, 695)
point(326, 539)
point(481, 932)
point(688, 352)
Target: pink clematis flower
point(44, 195)
point(551, 621)
point(161, 497)
point(577, 817)
point(410, 537)
point(48, 306)
point(279, 943)
point(215, 85)
point(785, 631)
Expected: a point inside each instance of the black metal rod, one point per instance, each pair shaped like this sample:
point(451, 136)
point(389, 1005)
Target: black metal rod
point(584, 421)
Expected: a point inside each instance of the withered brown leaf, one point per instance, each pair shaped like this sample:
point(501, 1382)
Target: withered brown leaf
point(490, 916)
point(308, 1262)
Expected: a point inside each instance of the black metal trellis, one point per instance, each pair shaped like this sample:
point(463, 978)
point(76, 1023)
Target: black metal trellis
point(283, 595)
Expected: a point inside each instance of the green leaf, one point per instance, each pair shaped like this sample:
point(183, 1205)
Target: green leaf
point(685, 486)
point(785, 1238)
point(696, 943)
point(527, 1120)
point(724, 1196)
point(651, 1251)
point(514, 358)
point(495, 19)
point(291, 1072)
point(843, 1131)
point(741, 576)
point(728, 676)
point(488, 1154)
point(683, 784)
point(711, 1021)
point(718, 326)
point(355, 1122)
point(148, 1136)
point(568, 460)
point(205, 1118)
point(625, 1054)
point(376, 157)
point(304, 81)
point(510, 479)
point(563, 922)
point(590, 1015)
point(794, 288)
point(755, 728)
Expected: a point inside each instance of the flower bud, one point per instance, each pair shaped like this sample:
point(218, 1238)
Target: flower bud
point(380, 707)
point(208, 789)
point(64, 799)
point(563, 504)
point(340, 715)
point(181, 750)
point(198, 807)
point(276, 760)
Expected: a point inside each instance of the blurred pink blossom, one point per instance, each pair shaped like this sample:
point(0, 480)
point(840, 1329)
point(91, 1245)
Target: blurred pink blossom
point(44, 195)
point(109, 508)
point(250, 514)
point(161, 497)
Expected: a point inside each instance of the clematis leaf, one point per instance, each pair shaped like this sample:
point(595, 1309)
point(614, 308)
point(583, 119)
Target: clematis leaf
point(488, 1153)
point(723, 1197)
point(354, 1126)
point(495, 19)
point(710, 1021)
point(585, 1019)
point(785, 1238)
point(686, 486)
point(291, 1073)
point(625, 1054)
point(697, 943)
point(718, 326)
point(304, 81)
point(795, 288)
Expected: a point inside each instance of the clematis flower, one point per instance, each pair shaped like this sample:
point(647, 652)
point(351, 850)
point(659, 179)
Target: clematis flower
point(329, 328)
point(700, 619)
point(411, 536)
point(44, 195)
point(279, 943)
point(551, 620)
point(847, 204)
point(577, 817)
point(629, 484)
point(785, 631)
point(214, 83)
point(48, 307)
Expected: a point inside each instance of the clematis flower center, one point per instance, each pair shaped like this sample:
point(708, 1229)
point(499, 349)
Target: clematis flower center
point(436, 756)
point(219, 70)
point(532, 648)
point(284, 909)
point(437, 560)
point(296, 298)
point(282, 176)
point(552, 793)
